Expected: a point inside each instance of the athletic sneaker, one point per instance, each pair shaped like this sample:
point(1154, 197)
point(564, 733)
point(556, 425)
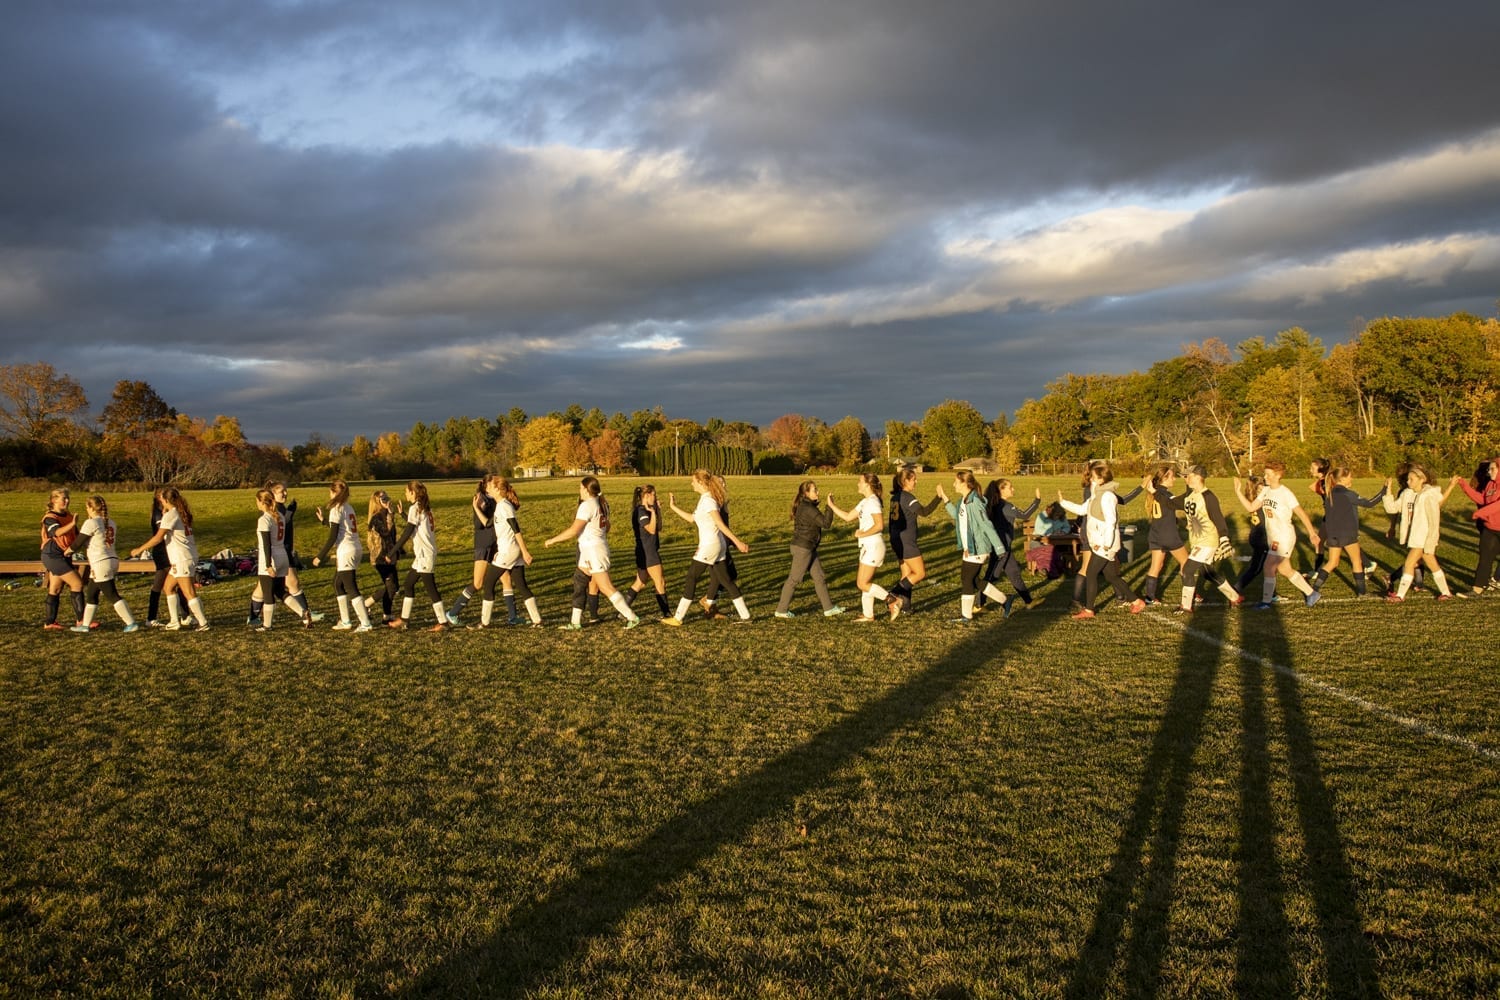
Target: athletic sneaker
point(833, 612)
point(173, 626)
point(1137, 606)
point(316, 616)
point(894, 607)
point(343, 626)
point(363, 628)
point(570, 627)
point(632, 622)
point(202, 628)
point(673, 621)
point(132, 627)
point(862, 620)
point(1082, 615)
point(259, 628)
point(516, 620)
point(1393, 599)
point(1006, 609)
point(1313, 598)
point(439, 627)
point(785, 614)
point(1263, 606)
point(1180, 610)
point(80, 628)
point(1441, 597)
point(477, 627)
point(452, 618)
point(53, 626)
point(1150, 601)
point(1238, 602)
point(961, 620)
point(396, 623)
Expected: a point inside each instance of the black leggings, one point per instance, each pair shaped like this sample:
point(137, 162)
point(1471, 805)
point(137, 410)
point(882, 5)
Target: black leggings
point(389, 587)
point(95, 587)
point(345, 584)
point(1257, 565)
point(970, 575)
point(492, 575)
point(717, 572)
point(1489, 547)
point(1111, 571)
point(272, 589)
point(1004, 562)
point(429, 583)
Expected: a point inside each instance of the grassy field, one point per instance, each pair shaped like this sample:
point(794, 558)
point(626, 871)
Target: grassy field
point(1297, 802)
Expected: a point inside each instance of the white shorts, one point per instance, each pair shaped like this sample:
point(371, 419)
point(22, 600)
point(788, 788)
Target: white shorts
point(709, 555)
point(184, 571)
point(871, 550)
point(1202, 554)
point(347, 557)
point(105, 569)
point(593, 559)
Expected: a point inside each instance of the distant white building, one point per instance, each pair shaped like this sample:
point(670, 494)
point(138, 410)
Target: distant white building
point(534, 472)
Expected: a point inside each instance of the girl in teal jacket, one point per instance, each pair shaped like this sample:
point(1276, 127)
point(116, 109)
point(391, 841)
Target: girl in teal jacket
point(977, 539)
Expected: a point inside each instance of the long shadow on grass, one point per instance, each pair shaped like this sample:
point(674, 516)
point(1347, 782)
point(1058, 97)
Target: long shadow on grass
point(1348, 961)
point(1155, 818)
point(543, 936)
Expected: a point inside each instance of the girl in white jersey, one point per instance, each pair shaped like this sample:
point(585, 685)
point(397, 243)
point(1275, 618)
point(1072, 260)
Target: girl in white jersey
point(510, 560)
point(1420, 507)
point(182, 553)
point(711, 526)
point(591, 527)
point(1277, 505)
point(871, 536)
point(96, 536)
point(343, 538)
point(271, 564)
point(421, 531)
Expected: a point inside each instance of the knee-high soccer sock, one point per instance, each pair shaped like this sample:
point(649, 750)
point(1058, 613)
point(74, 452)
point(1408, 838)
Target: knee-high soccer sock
point(1230, 594)
point(89, 610)
point(1404, 585)
point(682, 608)
point(966, 605)
point(878, 592)
point(361, 613)
point(1300, 582)
point(623, 606)
point(630, 595)
point(255, 607)
point(295, 602)
point(1078, 583)
point(577, 618)
point(1441, 579)
point(1188, 593)
point(1359, 583)
point(174, 599)
point(593, 606)
point(153, 605)
point(486, 611)
point(54, 604)
point(267, 613)
point(1151, 587)
point(442, 615)
point(661, 602)
point(1268, 587)
point(343, 602)
point(1319, 578)
point(532, 611)
point(462, 599)
point(995, 594)
point(78, 605)
point(123, 610)
point(742, 608)
point(196, 607)
point(406, 603)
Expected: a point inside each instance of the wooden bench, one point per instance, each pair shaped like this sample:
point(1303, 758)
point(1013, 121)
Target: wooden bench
point(1068, 540)
point(31, 567)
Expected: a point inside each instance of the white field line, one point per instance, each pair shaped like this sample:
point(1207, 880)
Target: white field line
point(1334, 691)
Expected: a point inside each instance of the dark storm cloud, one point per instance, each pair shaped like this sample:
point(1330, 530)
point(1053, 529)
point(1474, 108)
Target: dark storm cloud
point(802, 195)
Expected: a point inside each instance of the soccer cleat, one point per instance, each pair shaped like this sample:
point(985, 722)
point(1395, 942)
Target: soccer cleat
point(1313, 598)
point(173, 626)
point(632, 622)
point(477, 627)
point(1006, 610)
point(202, 628)
point(80, 627)
point(396, 623)
point(1263, 606)
point(1150, 601)
point(1137, 606)
point(452, 618)
point(1238, 602)
point(53, 626)
point(894, 607)
point(132, 627)
point(1187, 612)
point(863, 620)
point(516, 620)
point(1441, 597)
point(1393, 599)
point(1082, 615)
point(153, 623)
point(833, 612)
point(363, 628)
point(93, 625)
point(343, 626)
point(673, 621)
point(961, 620)
point(570, 627)
point(785, 614)
point(439, 627)
point(316, 616)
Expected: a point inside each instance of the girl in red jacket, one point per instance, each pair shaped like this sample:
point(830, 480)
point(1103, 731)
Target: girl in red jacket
point(1486, 493)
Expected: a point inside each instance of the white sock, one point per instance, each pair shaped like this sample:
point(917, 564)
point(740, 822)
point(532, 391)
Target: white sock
point(533, 612)
point(123, 610)
point(361, 613)
point(966, 604)
point(267, 613)
point(1268, 588)
point(1441, 579)
point(577, 618)
point(406, 603)
point(486, 611)
point(742, 608)
point(867, 603)
point(1404, 585)
point(618, 600)
point(1300, 582)
point(1187, 597)
point(343, 600)
point(1229, 592)
point(993, 593)
point(89, 610)
point(291, 601)
point(442, 615)
point(878, 592)
point(196, 607)
point(682, 608)
point(172, 608)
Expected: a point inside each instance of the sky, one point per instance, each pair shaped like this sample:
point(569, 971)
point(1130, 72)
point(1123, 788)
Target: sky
point(342, 217)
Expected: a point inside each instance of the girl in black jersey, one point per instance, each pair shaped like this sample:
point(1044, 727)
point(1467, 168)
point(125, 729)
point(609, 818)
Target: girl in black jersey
point(645, 521)
point(1260, 547)
point(59, 529)
point(380, 539)
point(1318, 469)
point(1164, 536)
point(1341, 527)
point(160, 561)
point(483, 509)
point(906, 509)
point(286, 508)
point(1004, 515)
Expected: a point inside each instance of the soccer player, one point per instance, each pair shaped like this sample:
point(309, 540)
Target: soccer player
point(96, 536)
point(808, 525)
point(1102, 532)
point(182, 553)
point(1486, 494)
point(511, 558)
point(483, 508)
point(977, 540)
point(1208, 540)
point(1163, 537)
point(645, 522)
point(1420, 506)
point(713, 532)
point(343, 539)
point(380, 536)
point(59, 529)
point(1278, 505)
point(871, 537)
point(421, 531)
point(1341, 527)
point(1004, 515)
point(906, 510)
point(591, 527)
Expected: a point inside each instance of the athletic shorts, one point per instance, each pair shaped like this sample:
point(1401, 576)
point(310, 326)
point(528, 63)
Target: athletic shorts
point(1340, 542)
point(486, 552)
point(871, 551)
point(593, 559)
point(57, 565)
point(1203, 554)
point(646, 558)
point(184, 571)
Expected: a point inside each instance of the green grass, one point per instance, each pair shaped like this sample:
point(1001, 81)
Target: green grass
point(807, 808)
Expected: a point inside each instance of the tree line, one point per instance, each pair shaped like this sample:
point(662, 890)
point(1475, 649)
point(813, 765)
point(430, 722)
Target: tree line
point(1414, 387)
